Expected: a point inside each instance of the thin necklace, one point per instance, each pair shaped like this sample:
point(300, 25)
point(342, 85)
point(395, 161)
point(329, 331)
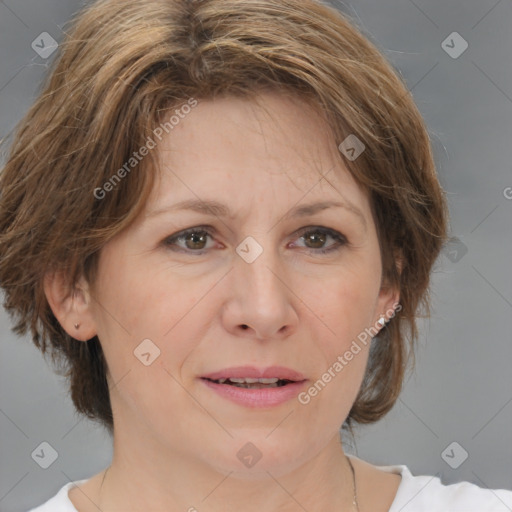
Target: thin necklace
point(354, 502)
point(101, 486)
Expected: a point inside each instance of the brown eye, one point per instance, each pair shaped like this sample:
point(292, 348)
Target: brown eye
point(196, 240)
point(316, 237)
point(192, 240)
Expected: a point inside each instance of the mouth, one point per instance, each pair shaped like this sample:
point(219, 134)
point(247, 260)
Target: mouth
point(250, 383)
point(256, 387)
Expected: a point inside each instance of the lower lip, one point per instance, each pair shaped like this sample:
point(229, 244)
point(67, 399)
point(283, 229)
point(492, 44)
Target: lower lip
point(263, 397)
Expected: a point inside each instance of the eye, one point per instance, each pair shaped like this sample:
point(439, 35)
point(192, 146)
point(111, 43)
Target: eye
point(317, 236)
point(193, 238)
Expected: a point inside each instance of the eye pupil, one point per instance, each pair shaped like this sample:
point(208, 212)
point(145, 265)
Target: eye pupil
point(317, 237)
point(195, 238)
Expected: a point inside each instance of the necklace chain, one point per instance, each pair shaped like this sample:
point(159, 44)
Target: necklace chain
point(354, 502)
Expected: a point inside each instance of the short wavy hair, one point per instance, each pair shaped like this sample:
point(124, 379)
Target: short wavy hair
point(123, 66)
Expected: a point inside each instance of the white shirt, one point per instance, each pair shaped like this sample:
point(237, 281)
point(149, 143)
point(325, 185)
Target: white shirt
point(415, 494)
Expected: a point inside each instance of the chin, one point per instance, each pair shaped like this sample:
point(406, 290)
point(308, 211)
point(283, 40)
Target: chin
point(254, 460)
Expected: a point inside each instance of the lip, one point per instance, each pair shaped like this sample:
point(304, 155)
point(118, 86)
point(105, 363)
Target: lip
point(239, 372)
point(263, 397)
point(253, 398)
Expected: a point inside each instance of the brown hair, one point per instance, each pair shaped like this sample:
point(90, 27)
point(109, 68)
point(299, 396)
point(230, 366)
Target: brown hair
point(121, 68)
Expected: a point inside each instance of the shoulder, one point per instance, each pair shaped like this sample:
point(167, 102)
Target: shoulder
point(425, 493)
point(60, 502)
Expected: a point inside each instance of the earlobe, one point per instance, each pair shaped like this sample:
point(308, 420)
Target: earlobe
point(389, 305)
point(71, 307)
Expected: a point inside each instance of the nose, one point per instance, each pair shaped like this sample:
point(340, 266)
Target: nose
point(261, 303)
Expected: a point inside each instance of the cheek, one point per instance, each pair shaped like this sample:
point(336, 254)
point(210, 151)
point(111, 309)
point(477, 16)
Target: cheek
point(347, 311)
point(346, 305)
point(148, 310)
point(141, 299)
point(147, 334)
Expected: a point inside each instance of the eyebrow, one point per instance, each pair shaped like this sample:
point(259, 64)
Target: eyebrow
point(216, 209)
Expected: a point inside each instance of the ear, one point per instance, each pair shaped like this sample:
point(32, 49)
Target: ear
point(389, 296)
point(71, 307)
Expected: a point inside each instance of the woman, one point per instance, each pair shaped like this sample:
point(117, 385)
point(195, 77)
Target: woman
point(222, 216)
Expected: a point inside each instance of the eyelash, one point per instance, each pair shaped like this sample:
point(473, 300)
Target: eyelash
point(340, 239)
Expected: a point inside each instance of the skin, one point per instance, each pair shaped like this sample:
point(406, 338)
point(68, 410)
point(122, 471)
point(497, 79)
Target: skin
point(175, 438)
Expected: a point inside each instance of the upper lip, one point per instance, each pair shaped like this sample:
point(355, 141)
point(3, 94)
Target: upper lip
point(240, 372)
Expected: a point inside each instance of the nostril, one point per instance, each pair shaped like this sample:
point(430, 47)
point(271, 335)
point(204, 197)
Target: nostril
point(245, 327)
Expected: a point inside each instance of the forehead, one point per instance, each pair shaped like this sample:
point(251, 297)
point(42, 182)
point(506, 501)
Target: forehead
point(240, 151)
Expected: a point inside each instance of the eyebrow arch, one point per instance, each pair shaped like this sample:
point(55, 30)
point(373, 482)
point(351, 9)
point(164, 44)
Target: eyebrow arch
point(216, 209)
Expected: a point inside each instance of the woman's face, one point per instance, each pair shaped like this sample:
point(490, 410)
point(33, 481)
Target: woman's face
point(251, 287)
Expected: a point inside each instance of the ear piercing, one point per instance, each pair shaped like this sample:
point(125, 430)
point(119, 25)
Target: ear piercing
point(77, 326)
point(382, 320)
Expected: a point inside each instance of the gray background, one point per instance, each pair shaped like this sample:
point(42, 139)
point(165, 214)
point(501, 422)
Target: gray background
point(462, 388)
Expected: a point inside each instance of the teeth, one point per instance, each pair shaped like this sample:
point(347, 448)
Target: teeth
point(250, 380)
